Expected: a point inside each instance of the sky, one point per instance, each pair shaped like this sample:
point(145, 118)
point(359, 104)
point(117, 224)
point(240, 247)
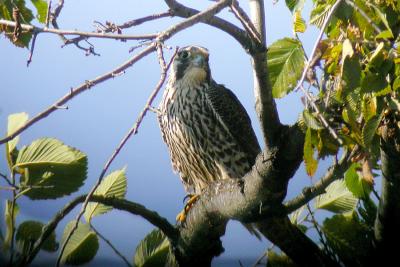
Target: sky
point(97, 119)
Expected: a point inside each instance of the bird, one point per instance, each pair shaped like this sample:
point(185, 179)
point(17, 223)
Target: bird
point(205, 127)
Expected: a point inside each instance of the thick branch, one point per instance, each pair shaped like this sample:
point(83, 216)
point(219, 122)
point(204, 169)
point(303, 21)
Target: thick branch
point(121, 204)
point(237, 33)
point(387, 231)
point(255, 198)
point(265, 104)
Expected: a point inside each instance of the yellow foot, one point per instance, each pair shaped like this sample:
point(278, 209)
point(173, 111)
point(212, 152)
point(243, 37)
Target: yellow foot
point(181, 217)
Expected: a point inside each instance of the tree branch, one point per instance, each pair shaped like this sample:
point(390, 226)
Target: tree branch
point(265, 104)
point(334, 173)
point(34, 29)
point(255, 198)
point(120, 204)
point(388, 216)
point(163, 36)
point(238, 34)
point(132, 131)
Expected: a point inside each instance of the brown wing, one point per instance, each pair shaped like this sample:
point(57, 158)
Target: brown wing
point(234, 116)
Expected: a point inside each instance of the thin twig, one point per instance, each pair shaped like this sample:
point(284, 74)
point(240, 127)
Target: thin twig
point(124, 140)
point(308, 64)
point(35, 34)
point(6, 179)
point(81, 88)
point(241, 15)
point(317, 228)
point(12, 213)
point(111, 245)
point(139, 21)
point(332, 174)
point(48, 15)
point(163, 36)
point(366, 17)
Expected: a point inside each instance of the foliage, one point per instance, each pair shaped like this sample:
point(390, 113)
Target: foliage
point(114, 185)
point(153, 250)
point(82, 246)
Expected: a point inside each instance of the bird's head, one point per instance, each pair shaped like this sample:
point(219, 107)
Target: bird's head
point(191, 64)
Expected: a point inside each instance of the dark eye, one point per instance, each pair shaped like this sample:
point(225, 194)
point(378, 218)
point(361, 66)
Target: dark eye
point(184, 54)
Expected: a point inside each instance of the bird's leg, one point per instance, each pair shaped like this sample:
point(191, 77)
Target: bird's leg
point(181, 217)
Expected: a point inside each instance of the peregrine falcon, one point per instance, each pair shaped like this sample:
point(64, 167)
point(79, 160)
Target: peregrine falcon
point(207, 130)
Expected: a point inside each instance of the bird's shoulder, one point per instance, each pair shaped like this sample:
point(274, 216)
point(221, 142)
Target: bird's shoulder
point(234, 116)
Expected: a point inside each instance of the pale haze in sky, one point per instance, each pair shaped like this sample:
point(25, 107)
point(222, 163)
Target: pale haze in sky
point(96, 120)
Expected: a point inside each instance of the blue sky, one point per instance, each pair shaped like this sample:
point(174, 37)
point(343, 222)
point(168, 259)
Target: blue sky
point(96, 120)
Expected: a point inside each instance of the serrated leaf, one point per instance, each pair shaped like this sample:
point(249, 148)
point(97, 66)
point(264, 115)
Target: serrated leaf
point(368, 107)
point(310, 121)
point(320, 13)
point(9, 214)
point(82, 246)
point(309, 161)
point(355, 183)
point(377, 57)
point(337, 198)
point(351, 74)
point(152, 250)
point(294, 5)
point(41, 8)
point(113, 185)
point(59, 169)
point(27, 234)
point(15, 121)
point(299, 24)
point(369, 129)
point(285, 65)
point(349, 238)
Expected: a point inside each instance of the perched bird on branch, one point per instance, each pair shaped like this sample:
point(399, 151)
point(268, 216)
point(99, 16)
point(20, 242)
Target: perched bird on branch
point(206, 128)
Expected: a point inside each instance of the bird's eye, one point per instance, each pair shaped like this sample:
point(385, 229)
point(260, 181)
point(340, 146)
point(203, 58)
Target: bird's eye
point(184, 54)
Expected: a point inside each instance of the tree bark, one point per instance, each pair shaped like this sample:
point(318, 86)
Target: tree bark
point(387, 223)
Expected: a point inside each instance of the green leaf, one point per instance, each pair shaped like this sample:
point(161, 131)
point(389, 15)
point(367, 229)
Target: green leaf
point(26, 16)
point(41, 8)
point(309, 161)
point(114, 185)
point(82, 246)
point(373, 82)
point(396, 83)
point(285, 65)
point(347, 49)
point(349, 238)
point(59, 169)
point(299, 24)
point(351, 74)
point(9, 216)
point(15, 121)
point(337, 198)
point(310, 121)
point(27, 234)
point(295, 5)
point(152, 251)
point(369, 129)
point(278, 259)
point(320, 13)
point(295, 215)
point(355, 182)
